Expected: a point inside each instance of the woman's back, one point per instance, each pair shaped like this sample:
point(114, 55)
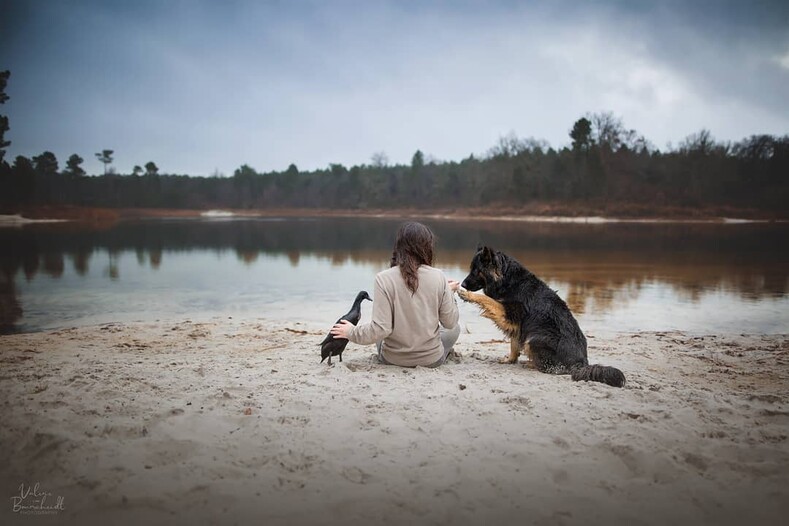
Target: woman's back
point(415, 318)
point(410, 299)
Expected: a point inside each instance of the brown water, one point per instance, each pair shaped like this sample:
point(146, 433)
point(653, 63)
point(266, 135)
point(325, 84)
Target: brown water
point(701, 278)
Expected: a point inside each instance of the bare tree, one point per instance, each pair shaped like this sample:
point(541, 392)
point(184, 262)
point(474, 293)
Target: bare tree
point(701, 143)
point(607, 130)
point(507, 146)
point(380, 159)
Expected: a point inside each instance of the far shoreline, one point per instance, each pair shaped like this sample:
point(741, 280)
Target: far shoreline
point(545, 212)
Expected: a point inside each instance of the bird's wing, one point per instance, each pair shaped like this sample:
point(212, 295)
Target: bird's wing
point(329, 337)
point(354, 318)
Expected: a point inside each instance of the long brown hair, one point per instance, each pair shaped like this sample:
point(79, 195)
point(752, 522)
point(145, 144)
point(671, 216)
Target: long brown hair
point(413, 247)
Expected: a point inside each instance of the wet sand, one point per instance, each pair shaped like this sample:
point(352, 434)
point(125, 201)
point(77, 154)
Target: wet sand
point(234, 421)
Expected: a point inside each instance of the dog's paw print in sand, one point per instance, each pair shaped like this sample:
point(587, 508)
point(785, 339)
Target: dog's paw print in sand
point(518, 403)
point(487, 356)
point(112, 327)
point(43, 445)
point(133, 345)
point(355, 475)
point(300, 421)
point(199, 331)
point(295, 469)
point(367, 363)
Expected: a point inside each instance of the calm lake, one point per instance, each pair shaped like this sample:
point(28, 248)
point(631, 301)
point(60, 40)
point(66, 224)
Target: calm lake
point(695, 277)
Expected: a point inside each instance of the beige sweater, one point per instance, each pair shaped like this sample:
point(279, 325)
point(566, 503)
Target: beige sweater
point(408, 324)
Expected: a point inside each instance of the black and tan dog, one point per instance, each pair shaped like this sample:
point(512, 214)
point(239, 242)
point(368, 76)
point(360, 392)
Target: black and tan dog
point(535, 318)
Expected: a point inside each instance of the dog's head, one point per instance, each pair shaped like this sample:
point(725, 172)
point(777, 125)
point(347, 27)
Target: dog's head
point(485, 269)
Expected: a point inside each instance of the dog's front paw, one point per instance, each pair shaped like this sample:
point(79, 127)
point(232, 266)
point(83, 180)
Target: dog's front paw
point(508, 359)
point(463, 293)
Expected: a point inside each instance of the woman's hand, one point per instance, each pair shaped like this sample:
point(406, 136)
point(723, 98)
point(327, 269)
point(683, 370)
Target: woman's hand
point(453, 285)
point(342, 329)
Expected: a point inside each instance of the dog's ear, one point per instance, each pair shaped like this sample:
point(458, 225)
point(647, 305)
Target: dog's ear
point(487, 255)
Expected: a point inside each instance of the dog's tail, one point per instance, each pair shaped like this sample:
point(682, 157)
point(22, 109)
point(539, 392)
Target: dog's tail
point(598, 373)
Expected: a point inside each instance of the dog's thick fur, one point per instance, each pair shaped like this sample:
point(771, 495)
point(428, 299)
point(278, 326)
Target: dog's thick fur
point(536, 319)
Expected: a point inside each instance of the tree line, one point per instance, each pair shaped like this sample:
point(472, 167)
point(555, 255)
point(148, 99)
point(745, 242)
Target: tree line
point(605, 163)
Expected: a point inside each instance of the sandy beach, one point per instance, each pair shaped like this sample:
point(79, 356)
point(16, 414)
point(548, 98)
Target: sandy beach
point(232, 421)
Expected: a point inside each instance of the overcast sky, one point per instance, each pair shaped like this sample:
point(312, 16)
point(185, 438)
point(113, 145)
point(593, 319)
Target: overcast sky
point(199, 86)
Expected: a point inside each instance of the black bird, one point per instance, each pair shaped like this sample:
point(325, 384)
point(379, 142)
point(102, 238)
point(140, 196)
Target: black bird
point(332, 346)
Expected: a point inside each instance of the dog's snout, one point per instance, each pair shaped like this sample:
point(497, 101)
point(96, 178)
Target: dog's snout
point(472, 284)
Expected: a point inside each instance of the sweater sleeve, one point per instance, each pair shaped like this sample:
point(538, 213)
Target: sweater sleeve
point(381, 324)
point(448, 311)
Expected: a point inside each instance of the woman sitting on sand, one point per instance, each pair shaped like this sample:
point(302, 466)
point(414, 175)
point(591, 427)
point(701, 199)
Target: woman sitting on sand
point(415, 318)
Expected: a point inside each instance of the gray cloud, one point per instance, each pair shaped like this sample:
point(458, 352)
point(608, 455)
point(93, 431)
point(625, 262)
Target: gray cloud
point(203, 86)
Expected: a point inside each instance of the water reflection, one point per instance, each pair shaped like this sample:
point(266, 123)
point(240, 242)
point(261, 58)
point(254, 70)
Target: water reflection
point(596, 267)
point(10, 309)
